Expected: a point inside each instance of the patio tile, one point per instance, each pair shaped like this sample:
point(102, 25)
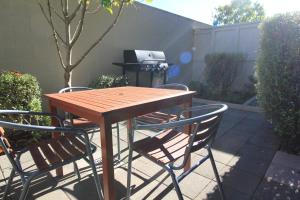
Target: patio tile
point(256, 152)
point(187, 185)
point(256, 167)
point(259, 116)
point(276, 191)
point(193, 184)
point(211, 192)
point(4, 162)
point(240, 180)
point(219, 155)
point(56, 194)
point(248, 126)
point(230, 142)
point(205, 169)
point(266, 140)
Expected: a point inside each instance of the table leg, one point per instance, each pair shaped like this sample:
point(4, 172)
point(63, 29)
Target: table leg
point(188, 130)
point(54, 122)
point(107, 160)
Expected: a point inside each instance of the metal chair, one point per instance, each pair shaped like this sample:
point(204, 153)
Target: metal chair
point(161, 116)
point(167, 147)
point(87, 125)
point(48, 154)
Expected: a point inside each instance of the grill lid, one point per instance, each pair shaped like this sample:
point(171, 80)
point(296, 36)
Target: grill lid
point(144, 57)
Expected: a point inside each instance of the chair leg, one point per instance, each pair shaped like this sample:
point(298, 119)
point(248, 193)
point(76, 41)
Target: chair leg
point(25, 189)
point(76, 170)
point(129, 169)
point(9, 182)
point(176, 184)
point(96, 176)
point(118, 141)
point(216, 174)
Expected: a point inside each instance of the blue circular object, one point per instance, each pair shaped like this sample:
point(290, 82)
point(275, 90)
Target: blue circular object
point(186, 57)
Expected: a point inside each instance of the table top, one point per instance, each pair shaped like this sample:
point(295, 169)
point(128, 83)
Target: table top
point(117, 103)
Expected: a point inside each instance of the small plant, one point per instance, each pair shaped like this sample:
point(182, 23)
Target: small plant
point(278, 74)
point(108, 81)
point(221, 71)
point(21, 92)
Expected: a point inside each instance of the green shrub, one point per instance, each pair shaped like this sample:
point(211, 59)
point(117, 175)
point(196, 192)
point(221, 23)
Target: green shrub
point(278, 74)
point(21, 92)
point(221, 70)
point(239, 97)
point(108, 81)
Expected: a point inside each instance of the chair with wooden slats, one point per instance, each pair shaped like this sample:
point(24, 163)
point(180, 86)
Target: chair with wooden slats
point(161, 116)
point(80, 122)
point(48, 154)
point(171, 145)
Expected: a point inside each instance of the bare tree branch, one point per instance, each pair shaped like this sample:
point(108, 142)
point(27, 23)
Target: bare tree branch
point(48, 20)
point(100, 39)
point(80, 25)
point(57, 14)
point(55, 35)
point(71, 17)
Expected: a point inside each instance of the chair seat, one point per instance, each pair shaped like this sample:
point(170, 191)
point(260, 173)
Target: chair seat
point(156, 118)
point(164, 148)
point(51, 152)
point(81, 122)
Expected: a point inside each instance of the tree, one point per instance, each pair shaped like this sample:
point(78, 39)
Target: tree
point(71, 14)
point(238, 11)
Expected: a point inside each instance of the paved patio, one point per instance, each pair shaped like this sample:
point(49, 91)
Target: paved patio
point(243, 150)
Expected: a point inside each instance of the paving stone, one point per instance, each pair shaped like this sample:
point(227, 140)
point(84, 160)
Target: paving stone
point(211, 192)
point(288, 160)
point(205, 169)
point(248, 126)
point(276, 191)
point(256, 167)
point(219, 155)
point(259, 116)
point(193, 184)
point(266, 140)
point(230, 142)
point(240, 180)
point(256, 152)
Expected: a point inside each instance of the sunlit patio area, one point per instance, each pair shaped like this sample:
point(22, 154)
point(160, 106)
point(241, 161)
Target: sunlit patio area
point(149, 99)
point(243, 150)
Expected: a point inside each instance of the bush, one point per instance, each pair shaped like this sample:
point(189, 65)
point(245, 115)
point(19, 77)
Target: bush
point(221, 70)
point(239, 97)
point(21, 92)
point(108, 81)
point(278, 74)
point(220, 73)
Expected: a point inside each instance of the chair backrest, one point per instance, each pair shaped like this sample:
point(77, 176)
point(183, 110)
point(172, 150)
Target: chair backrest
point(73, 89)
point(174, 86)
point(5, 144)
point(205, 127)
point(6, 148)
point(204, 123)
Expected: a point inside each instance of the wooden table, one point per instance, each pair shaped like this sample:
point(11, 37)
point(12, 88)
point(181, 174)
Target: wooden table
point(107, 106)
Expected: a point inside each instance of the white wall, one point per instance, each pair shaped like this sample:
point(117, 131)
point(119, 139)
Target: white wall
point(238, 38)
point(27, 44)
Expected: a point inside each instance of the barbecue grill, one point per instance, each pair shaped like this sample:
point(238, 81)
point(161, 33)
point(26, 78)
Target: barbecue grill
point(146, 61)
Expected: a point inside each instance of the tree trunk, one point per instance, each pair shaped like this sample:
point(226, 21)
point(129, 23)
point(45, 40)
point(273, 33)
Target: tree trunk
point(68, 79)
